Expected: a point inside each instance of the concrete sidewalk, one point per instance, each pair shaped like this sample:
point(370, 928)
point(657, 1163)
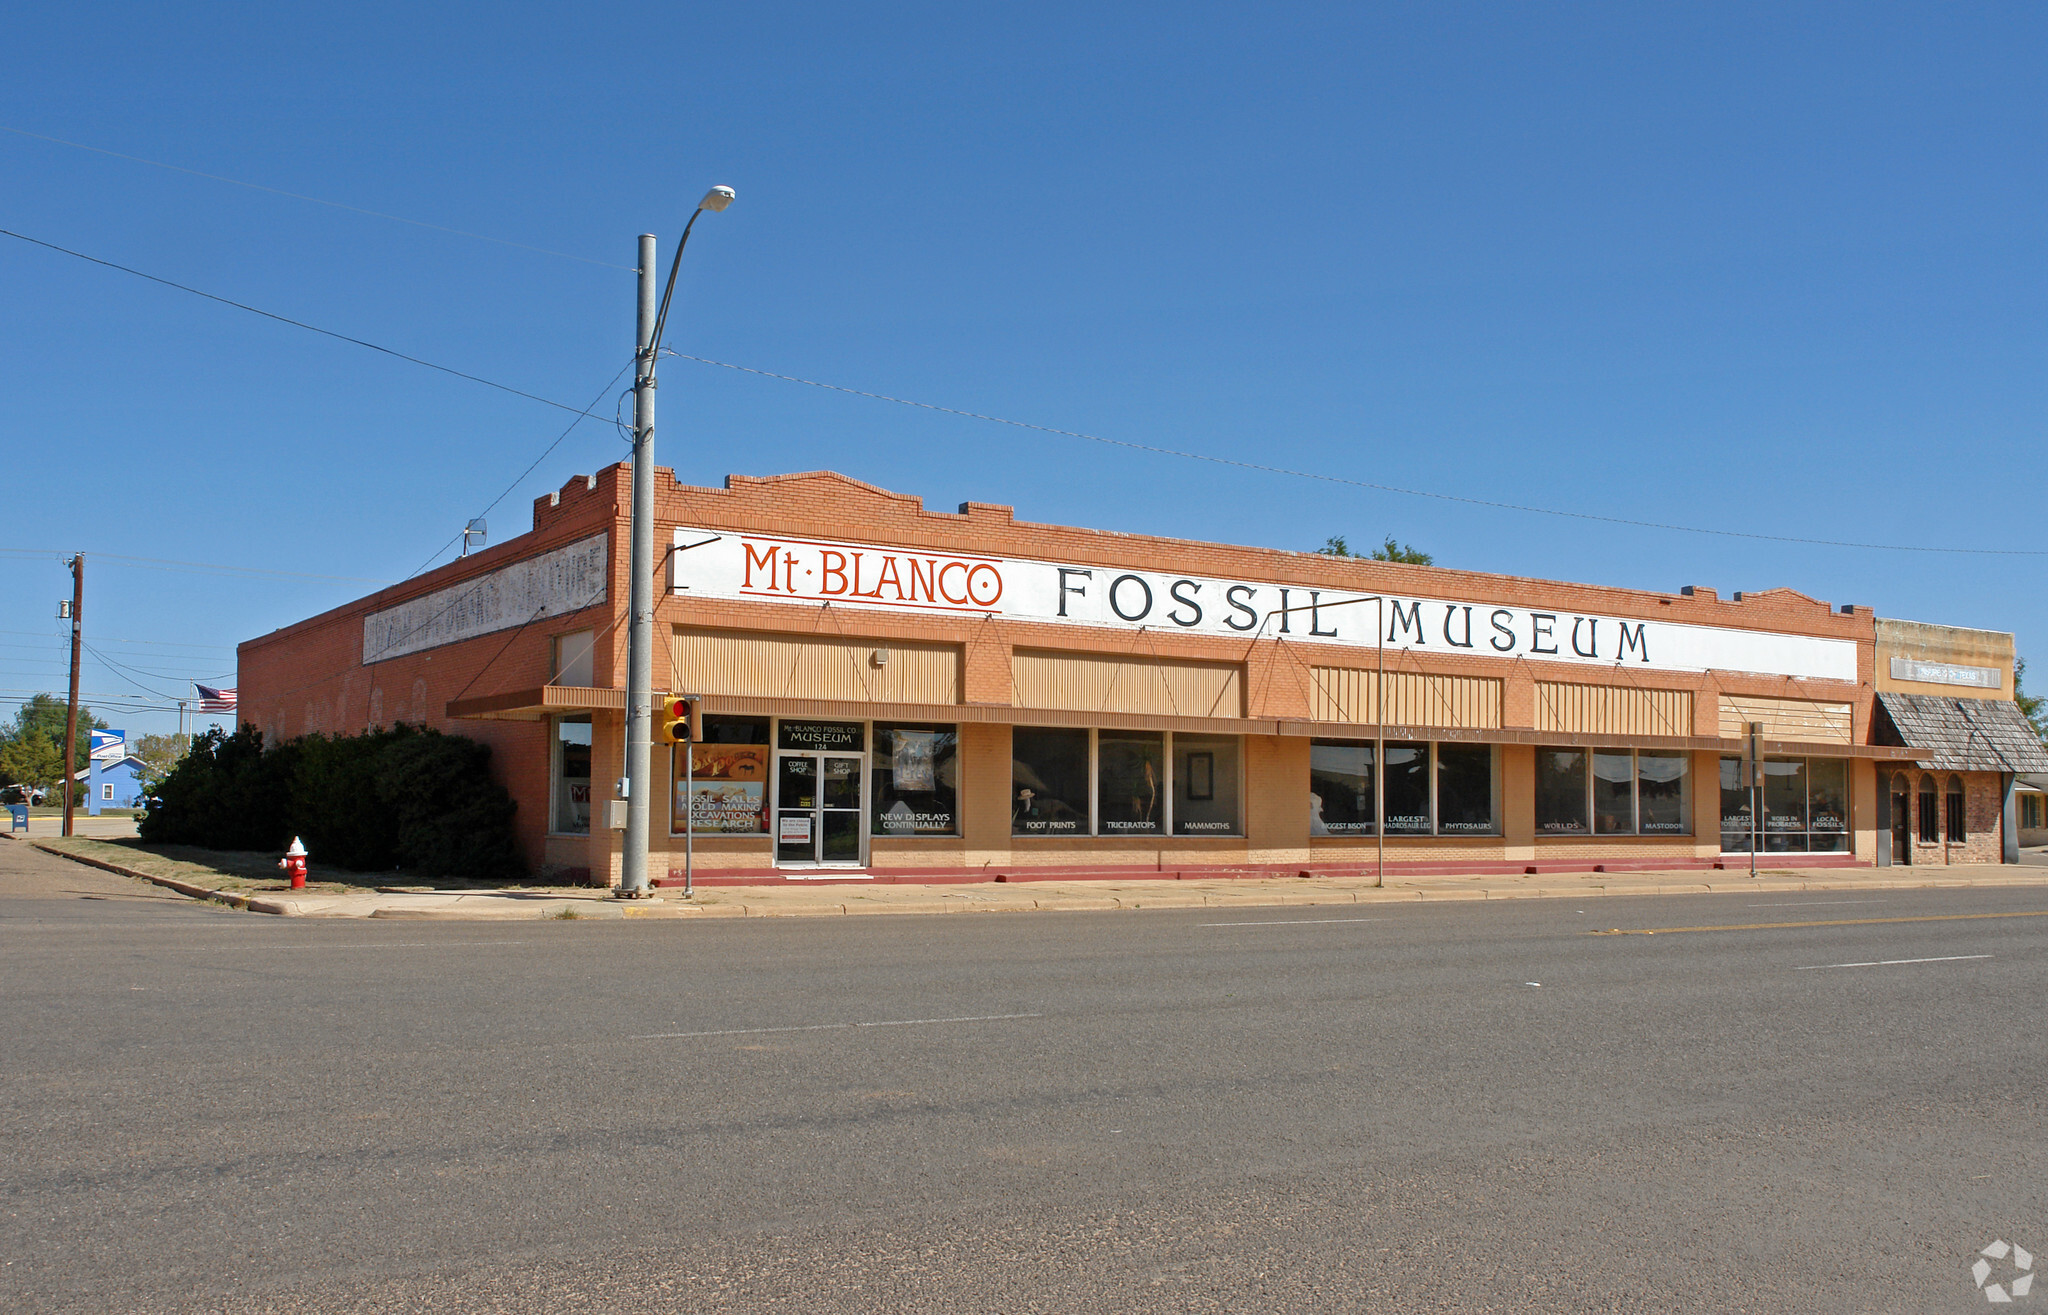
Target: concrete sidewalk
point(526, 903)
point(114, 826)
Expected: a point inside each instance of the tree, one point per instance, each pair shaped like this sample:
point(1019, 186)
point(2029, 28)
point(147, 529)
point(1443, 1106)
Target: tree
point(43, 715)
point(1401, 552)
point(159, 754)
point(31, 758)
point(1390, 551)
point(2034, 707)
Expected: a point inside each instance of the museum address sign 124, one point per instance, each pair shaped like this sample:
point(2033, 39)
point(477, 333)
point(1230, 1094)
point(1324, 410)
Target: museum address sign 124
point(782, 569)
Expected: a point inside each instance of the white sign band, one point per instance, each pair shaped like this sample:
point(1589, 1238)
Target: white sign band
point(789, 570)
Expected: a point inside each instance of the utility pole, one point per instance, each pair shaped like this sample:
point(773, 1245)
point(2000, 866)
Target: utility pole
point(639, 779)
point(71, 715)
point(639, 782)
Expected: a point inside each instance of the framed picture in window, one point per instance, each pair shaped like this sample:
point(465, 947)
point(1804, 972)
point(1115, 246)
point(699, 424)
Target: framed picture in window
point(1201, 776)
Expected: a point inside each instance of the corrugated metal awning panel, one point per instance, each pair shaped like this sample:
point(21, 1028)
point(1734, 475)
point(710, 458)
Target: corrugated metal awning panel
point(534, 704)
point(1008, 715)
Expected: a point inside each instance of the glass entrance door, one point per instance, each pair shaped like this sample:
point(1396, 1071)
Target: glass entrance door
point(820, 800)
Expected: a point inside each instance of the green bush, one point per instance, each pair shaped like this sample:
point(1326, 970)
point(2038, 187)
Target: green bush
point(405, 799)
point(227, 793)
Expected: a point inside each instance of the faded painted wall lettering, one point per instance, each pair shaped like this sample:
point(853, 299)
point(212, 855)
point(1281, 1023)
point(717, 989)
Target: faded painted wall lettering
point(555, 583)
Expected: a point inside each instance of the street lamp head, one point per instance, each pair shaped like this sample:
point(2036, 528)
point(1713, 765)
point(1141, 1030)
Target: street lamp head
point(715, 200)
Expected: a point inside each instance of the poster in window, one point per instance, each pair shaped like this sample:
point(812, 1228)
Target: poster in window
point(914, 758)
point(730, 791)
point(1201, 776)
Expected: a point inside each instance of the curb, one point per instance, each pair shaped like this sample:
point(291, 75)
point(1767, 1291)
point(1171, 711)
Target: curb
point(1786, 883)
point(243, 902)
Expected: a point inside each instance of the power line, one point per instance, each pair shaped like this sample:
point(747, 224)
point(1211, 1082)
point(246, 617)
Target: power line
point(300, 196)
point(297, 324)
point(118, 670)
point(528, 471)
point(165, 563)
point(179, 676)
point(1359, 483)
point(52, 658)
point(83, 695)
point(462, 595)
point(104, 639)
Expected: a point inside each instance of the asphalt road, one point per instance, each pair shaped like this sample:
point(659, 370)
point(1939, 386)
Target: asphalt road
point(1457, 1107)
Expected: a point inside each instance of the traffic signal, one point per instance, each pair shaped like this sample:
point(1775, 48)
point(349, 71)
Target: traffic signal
point(680, 723)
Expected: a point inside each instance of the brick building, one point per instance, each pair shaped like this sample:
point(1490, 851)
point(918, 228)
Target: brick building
point(894, 692)
point(1948, 691)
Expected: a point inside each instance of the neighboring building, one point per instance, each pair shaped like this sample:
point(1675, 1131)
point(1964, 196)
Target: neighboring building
point(113, 777)
point(2031, 803)
point(893, 692)
point(1948, 691)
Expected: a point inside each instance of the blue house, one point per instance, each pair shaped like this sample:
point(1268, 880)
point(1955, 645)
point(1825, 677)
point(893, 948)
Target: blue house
point(114, 778)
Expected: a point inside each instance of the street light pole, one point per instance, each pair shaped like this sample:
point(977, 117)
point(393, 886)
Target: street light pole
point(638, 784)
point(639, 781)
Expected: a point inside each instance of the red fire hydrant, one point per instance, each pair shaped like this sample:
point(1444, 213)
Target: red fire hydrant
point(294, 862)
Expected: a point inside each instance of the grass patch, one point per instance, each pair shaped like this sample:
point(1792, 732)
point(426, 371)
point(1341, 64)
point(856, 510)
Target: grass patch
point(231, 870)
point(215, 870)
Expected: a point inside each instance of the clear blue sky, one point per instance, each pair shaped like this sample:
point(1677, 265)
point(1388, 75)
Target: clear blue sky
point(1775, 268)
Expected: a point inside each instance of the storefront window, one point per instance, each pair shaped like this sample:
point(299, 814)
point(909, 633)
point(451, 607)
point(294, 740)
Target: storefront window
point(1340, 788)
point(1614, 793)
point(1785, 805)
point(1737, 823)
point(1458, 795)
point(1561, 792)
point(1827, 805)
point(1048, 782)
point(1805, 806)
point(1205, 793)
point(571, 770)
point(1664, 794)
point(917, 780)
point(1130, 790)
point(727, 779)
point(1407, 789)
point(1464, 789)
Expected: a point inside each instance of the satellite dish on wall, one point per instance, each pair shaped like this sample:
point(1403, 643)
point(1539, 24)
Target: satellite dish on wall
point(476, 532)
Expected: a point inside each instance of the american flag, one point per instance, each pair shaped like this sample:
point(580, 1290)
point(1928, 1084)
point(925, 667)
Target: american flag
point(214, 700)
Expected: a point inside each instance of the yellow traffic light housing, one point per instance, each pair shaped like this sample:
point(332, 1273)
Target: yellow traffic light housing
point(680, 723)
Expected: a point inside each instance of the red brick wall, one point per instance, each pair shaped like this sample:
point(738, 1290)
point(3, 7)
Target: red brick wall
point(310, 677)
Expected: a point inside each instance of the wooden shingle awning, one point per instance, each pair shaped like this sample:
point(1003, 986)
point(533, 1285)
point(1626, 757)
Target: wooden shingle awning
point(534, 704)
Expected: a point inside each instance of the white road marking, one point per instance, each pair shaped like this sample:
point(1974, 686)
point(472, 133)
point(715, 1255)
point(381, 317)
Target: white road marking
point(1812, 903)
point(1289, 922)
point(828, 1027)
point(1887, 963)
